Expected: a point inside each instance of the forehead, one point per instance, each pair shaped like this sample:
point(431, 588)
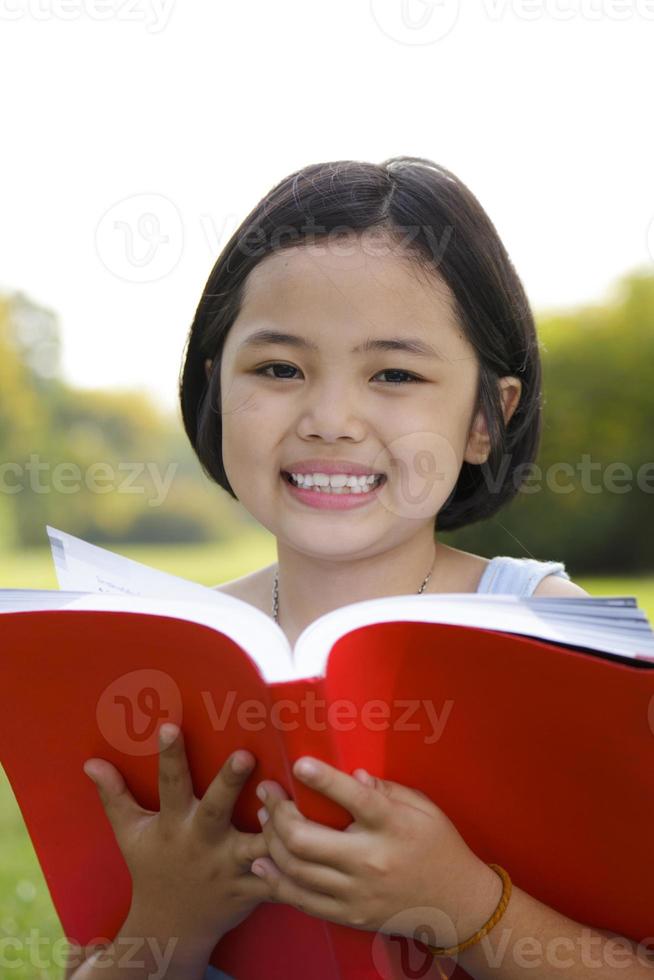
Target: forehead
point(363, 287)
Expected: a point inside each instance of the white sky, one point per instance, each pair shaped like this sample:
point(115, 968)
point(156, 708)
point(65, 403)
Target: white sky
point(194, 110)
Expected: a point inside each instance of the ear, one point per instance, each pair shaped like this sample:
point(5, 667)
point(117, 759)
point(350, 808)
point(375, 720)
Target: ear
point(207, 367)
point(478, 448)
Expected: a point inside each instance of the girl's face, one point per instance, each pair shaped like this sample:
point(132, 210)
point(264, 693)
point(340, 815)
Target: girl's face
point(398, 412)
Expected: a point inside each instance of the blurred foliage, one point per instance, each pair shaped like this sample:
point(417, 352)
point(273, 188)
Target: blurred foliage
point(598, 374)
point(598, 363)
point(103, 465)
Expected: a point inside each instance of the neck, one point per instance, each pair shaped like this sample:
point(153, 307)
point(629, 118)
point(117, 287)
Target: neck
point(309, 587)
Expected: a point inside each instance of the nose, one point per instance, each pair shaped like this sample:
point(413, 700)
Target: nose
point(330, 412)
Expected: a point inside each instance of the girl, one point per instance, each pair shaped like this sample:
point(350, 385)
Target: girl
point(361, 373)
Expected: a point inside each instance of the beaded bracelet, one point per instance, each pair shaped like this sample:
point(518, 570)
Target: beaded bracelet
point(439, 951)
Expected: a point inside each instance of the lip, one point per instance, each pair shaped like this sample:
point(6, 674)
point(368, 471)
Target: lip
point(328, 466)
point(330, 501)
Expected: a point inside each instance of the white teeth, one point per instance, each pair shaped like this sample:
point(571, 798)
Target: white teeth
point(336, 482)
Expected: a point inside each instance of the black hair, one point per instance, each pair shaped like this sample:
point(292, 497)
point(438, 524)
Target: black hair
point(402, 194)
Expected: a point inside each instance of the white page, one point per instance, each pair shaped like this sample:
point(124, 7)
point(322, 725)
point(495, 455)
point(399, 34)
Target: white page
point(507, 613)
point(266, 644)
point(263, 640)
point(84, 567)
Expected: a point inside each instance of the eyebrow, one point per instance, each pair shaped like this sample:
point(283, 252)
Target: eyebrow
point(409, 345)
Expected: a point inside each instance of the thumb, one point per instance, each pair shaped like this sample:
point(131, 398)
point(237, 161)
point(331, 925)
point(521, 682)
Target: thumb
point(106, 777)
point(118, 802)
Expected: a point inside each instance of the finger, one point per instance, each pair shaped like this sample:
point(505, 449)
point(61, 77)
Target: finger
point(249, 887)
point(309, 874)
point(175, 784)
point(304, 838)
point(214, 812)
point(119, 805)
point(396, 791)
point(247, 848)
point(365, 805)
point(364, 777)
point(282, 889)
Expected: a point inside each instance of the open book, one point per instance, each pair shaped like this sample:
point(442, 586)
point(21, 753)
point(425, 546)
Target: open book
point(530, 722)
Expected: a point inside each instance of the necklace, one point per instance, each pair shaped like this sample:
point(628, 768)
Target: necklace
point(275, 592)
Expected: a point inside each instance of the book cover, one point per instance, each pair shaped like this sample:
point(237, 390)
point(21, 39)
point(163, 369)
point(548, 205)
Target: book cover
point(532, 746)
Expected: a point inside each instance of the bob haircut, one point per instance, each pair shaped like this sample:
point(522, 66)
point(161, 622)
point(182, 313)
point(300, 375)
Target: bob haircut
point(402, 194)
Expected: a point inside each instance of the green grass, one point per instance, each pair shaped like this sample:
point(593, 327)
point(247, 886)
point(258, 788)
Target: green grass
point(25, 904)
point(641, 587)
point(26, 908)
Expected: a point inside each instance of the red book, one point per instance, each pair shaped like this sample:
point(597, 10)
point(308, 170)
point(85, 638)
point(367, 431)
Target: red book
point(530, 722)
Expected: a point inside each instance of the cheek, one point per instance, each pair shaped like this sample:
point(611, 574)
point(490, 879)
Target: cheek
point(249, 436)
point(423, 469)
point(243, 410)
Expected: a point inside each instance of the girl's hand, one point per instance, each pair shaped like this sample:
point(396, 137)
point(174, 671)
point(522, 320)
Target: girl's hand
point(190, 867)
point(399, 856)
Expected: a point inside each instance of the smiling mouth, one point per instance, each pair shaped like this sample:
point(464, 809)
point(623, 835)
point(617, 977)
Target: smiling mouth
point(381, 479)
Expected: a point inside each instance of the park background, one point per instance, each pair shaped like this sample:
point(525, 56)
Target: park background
point(139, 140)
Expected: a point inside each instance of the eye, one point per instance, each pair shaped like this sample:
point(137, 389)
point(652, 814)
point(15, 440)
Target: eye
point(262, 370)
point(411, 378)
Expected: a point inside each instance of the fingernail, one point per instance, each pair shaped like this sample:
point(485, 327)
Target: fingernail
point(88, 772)
point(240, 764)
point(305, 767)
point(258, 869)
point(262, 815)
point(261, 792)
point(168, 733)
